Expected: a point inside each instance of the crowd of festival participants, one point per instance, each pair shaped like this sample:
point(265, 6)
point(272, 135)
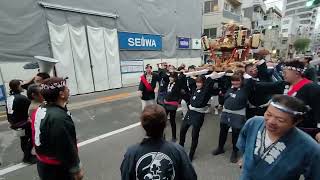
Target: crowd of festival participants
point(271, 109)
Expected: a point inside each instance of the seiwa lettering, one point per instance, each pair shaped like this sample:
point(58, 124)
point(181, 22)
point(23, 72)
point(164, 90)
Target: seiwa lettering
point(142, 42)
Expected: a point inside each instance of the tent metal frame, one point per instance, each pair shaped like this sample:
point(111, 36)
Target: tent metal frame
point(77, 10)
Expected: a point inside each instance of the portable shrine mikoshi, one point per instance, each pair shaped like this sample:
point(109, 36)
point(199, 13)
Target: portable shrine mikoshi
point(234, 45)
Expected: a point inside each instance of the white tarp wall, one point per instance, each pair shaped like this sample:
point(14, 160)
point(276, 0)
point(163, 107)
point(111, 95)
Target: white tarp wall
point(81, 59)
point(171, 19)
point(30, 37)
point(98, 58)
point(104, 51)
point(61, 49)
point(113, 60)
point(70, 46)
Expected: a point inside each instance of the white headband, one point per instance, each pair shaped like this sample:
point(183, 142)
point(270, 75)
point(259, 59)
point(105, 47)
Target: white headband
point(294, 68)
point(285, 109)
point(54, 85)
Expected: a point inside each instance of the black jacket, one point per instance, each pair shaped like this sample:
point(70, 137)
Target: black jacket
point(157, 159)
point(264, 74)
point(224, 83)
point(147, 95)
point(262, 91)
point(175, 93)
point(163, 80)
point(190, 85)
point(311, 73)
point(310, 95)
point(201, 97)
point(17, 110)
point(236, 98)
point(188, 88)
point(58, 136)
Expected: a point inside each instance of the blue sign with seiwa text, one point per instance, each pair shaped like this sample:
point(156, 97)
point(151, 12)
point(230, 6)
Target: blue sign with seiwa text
point(142, 42)
point(183, 43)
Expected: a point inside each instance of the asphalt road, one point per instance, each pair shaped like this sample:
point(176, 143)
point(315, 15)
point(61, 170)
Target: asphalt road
point(102, 158)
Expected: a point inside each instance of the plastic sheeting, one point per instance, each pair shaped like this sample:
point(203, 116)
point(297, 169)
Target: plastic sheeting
point(81, 59)
point(98, 58)
point(23, 33)
point(61, 49)
point(70, 46)
point(113, 60)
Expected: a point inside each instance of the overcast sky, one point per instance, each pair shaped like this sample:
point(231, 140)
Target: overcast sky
point(271, 3)
point(279, 4)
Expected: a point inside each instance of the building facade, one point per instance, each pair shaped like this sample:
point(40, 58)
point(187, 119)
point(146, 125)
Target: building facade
point(316, 40)
point(298, 21)
point(255, 10)
point(272, 22)
point(219, 12)
point(100, 44)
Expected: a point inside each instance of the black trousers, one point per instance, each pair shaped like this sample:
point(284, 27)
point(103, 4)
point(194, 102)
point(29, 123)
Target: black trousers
point(172, 114)
point(26, 142)
point(251, 112)
point(53, 172)
point(224, 128)
point(194, 119)
point(311, 131)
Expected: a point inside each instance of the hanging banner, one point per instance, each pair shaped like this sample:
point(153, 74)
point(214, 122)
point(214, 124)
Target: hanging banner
point(196, 44)
point(183, 43)
point(142, 42)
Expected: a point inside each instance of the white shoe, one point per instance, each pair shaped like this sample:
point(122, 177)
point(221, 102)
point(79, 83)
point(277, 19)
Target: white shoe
point(230, 130)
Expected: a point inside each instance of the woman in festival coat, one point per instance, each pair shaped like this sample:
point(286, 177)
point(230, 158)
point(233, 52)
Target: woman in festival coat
point(233, 114)
point(171, 101)
point(147, 86)
point(197, 108)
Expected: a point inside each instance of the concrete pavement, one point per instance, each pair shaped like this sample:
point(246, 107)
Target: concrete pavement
point(89, 112)
point(102, 158)
point(80, 101)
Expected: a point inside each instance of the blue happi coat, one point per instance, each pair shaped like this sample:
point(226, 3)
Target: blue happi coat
point(293, 155)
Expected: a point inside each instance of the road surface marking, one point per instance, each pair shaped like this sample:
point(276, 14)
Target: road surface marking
point(84, 104)
point(12, 168)
point(86, 142)
point(101, 100)
point(79, 106)
point(115, 97)
point(89, 141)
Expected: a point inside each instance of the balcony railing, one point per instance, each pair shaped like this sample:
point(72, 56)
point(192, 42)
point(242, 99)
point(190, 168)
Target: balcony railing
point(232, 16)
